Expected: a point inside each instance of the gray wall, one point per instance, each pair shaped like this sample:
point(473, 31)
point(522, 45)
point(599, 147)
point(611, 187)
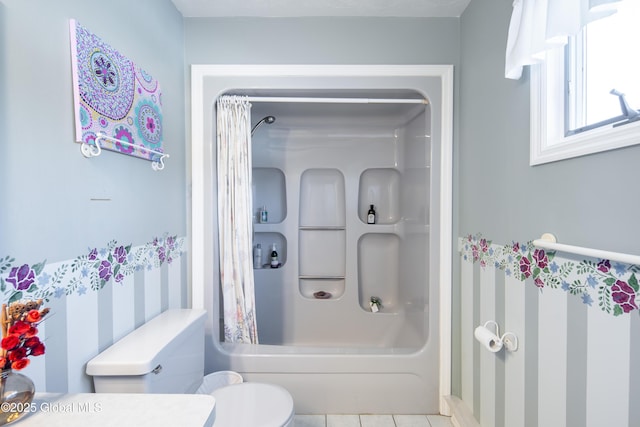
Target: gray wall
point(587, 201)
point(46, 183)
point(322, 41)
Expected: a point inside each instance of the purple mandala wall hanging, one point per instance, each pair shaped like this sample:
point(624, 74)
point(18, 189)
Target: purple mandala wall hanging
point(114, 97)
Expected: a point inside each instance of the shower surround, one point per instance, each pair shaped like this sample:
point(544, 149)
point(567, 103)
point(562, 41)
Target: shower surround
point(317, 169)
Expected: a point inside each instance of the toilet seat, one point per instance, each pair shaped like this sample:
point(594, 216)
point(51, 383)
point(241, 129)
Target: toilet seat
point(253, 405)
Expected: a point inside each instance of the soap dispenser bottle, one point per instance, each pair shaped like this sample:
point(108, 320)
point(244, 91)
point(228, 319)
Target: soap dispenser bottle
point(274, 257)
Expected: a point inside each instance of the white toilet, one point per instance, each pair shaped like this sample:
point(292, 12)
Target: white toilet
point(166, 355)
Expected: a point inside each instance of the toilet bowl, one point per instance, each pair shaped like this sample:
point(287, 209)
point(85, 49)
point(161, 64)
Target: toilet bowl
point(166, 355)
point(253, 404)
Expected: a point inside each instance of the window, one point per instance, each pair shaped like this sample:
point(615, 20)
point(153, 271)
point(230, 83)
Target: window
point(573, 109)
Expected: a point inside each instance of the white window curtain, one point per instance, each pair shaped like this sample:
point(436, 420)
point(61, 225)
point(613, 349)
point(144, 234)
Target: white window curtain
point(539, 25)
point(235, 221)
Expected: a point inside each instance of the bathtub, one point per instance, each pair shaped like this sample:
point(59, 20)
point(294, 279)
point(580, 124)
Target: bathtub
point(383, 378)
point(335, 355)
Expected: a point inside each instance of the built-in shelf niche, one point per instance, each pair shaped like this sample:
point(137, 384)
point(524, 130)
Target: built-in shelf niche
point(380, 187)
point(379, 270)
point(322, 198)
point(266, 240)
point(321, 288)
point(322, 253)
point(322, 234)
point(269, 191)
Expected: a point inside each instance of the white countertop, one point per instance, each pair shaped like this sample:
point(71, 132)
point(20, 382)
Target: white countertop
point(120, 410)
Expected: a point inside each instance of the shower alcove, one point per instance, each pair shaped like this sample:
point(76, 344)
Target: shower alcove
point(340, 142)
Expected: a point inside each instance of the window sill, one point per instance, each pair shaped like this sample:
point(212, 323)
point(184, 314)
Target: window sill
point(593, 141)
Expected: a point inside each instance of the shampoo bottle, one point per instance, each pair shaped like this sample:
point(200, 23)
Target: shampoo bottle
point(257, 256)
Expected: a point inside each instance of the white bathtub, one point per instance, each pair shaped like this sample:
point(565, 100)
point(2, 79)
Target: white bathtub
point(342, 379)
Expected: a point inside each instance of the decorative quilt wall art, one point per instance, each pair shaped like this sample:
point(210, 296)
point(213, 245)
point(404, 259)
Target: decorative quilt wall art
point(114, 98)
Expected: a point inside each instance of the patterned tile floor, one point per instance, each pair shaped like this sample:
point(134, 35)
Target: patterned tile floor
point(372, 421)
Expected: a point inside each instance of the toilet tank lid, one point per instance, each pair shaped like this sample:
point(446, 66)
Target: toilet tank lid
point(137, 353)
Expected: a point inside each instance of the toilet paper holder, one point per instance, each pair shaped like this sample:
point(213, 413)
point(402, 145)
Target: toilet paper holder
point(494, 342)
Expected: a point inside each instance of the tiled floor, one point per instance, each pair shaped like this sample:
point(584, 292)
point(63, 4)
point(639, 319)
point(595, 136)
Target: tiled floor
point(372, 421)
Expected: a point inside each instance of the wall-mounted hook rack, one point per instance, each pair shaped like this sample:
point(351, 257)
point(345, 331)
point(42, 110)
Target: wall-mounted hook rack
point(94, 149)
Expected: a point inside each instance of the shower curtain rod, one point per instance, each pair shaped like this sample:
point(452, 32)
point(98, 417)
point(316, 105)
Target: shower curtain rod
point(336, 100)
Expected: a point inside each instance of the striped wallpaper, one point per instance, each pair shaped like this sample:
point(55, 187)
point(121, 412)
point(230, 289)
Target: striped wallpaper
point(91, 309)
point(578, 331)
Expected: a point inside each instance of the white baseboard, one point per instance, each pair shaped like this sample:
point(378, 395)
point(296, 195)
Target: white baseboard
point(461, 415)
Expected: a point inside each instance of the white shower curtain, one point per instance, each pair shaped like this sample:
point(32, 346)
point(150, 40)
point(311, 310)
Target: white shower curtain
point(235, 220)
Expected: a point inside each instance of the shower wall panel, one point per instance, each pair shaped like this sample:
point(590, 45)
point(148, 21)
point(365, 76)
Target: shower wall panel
point(335, 166)
point(415, 196)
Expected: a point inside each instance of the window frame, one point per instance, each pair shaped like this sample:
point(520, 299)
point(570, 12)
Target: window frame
point(547, 118)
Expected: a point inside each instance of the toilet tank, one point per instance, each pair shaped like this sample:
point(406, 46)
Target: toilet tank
point(165, 355)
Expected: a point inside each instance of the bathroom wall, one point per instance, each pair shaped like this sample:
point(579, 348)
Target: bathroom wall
point(64, 214)
point(574, 365)
point(322, 40)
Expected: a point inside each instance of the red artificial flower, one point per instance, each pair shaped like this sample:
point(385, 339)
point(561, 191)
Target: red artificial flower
point(33, 316)
point(19, 328)
point(37, 349)
point(17, 354)
point(21, 340)
point(20, 364)
point(10, 342)
point(31, 342)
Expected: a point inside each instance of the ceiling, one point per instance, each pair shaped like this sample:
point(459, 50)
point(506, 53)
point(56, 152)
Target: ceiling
point(298, 8)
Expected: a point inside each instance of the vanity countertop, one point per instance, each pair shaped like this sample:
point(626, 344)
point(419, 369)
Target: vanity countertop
point(119, 410)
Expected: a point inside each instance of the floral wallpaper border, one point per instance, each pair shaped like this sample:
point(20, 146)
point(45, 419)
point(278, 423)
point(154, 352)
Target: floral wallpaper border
point(91, 271)
point(613, 286)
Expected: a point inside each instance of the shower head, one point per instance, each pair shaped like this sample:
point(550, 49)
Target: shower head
point(268, 120)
